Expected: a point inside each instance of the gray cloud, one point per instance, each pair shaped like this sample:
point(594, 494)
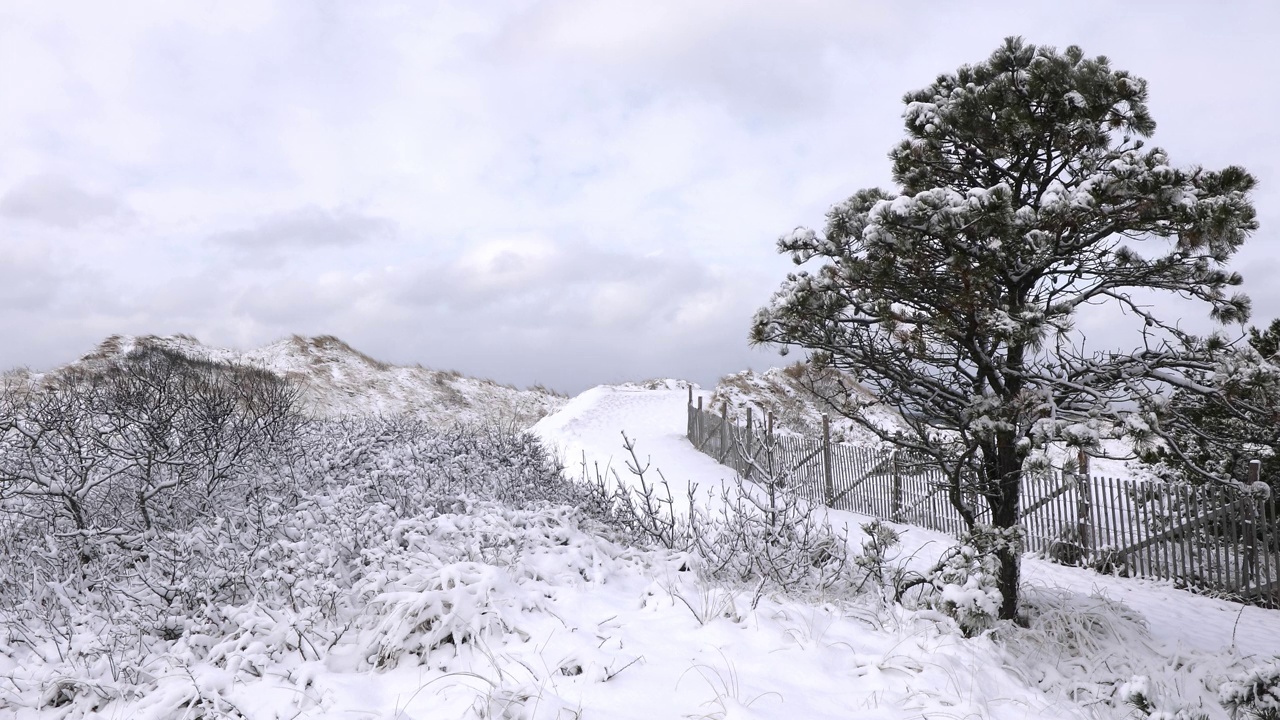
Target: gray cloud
point(56, 201)
point(307, 227)
point(523, 310)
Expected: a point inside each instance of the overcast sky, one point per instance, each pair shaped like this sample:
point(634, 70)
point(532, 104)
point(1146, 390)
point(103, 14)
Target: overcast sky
point(560, 191)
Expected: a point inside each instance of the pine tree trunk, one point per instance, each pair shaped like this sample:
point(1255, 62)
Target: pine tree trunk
point(1004, 515)
point(1010, 572)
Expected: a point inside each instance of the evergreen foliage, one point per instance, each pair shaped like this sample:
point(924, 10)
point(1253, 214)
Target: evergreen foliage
point(1024, 186)
point(1217, 435)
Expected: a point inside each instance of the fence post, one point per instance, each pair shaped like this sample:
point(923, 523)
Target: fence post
point(688, 409)
point(725, 436)
point(1084, 505)
point(697, 425)
point(1250, 561)
point(828, 486)
point(772, 447)
point(896, 489)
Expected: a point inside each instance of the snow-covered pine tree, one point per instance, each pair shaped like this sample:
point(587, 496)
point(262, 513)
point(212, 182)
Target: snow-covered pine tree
point(1215, 436)
point(1024, 186)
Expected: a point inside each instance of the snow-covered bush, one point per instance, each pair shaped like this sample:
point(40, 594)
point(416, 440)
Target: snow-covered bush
point(771, 537)
point(152, 440)
point(964, 584)
point(1067, 548)
point(359, 534)
point(875, 556)
point(1108, 560)
point(759, 531)
point(1254, 694)
point(1139, 694)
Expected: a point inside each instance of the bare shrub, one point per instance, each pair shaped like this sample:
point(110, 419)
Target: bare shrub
point(759, 531)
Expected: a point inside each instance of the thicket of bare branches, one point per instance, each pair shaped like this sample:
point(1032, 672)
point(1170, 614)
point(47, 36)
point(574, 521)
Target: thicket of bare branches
point(156, 500)
point(758, 530)
point(151, 440)
point(162, 480)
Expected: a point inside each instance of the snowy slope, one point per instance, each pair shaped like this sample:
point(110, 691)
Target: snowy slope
point(1184, 642)
point(589, 431)
point(591, 424)
point(782, 391)
point(340, 380)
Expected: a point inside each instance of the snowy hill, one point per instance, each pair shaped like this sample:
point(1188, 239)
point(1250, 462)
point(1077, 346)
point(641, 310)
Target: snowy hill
point(338, 380)
point(784, 392)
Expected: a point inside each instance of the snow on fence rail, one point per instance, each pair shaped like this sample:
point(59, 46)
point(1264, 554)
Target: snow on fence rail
point(1210, 538)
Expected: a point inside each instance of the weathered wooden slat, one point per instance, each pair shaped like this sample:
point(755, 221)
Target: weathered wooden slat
point(1152, 508)
point(1084, 506)
point(1183, 528)
point(1271, 554)
point(1211, 573)
point(1122, 537)
point(1050, 489)
point(1160, 548)
point(1142, 526)
point(1152, 513)
point(1191, 552)
point(1105, 487)
point(1228, 537)
point(1056, 509)
point(1042, 486)
point(1188, 545)
point(1030, 485)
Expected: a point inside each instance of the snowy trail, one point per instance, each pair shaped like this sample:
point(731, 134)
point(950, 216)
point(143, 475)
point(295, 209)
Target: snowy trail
point(590, 426)
point(589, 429)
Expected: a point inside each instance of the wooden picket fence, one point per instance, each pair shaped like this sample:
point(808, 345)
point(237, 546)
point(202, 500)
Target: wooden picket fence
point(1209, 538)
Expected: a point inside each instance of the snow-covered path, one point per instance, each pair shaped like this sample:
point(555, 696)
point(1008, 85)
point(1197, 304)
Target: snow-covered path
point(589, 428)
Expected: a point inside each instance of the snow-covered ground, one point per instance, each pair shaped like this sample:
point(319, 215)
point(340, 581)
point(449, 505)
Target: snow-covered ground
point(1202, 634)
point(490, 612)
point(592, 424)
